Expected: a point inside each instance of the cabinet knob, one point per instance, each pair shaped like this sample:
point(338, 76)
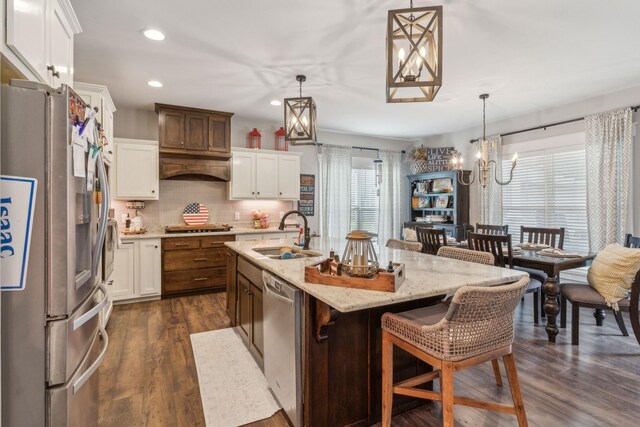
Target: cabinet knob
point(258, 192)
point(281, 193)
point(156, 246)
point(181, 143)
point(153, 191)
point(253, 192)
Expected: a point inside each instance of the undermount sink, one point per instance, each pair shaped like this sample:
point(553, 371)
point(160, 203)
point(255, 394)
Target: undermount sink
point(274, 253)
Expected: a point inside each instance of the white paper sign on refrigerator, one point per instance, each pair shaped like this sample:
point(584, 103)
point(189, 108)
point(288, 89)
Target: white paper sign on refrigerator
point(17, 203)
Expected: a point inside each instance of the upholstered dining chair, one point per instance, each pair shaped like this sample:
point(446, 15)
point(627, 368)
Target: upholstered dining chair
point(432, 239)
point(502, 250)
point(492, 229)
point(477, 327)
point(583, 295)
point(404, 245)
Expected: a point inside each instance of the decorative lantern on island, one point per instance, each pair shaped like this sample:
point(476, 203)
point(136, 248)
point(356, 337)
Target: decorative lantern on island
point(360, 257)
point(280, 140)
point(255, 139)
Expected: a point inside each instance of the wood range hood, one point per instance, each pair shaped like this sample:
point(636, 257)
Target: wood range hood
point(195, 144)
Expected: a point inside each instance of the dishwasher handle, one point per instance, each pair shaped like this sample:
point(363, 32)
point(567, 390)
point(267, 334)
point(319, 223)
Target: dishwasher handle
point(274, 292)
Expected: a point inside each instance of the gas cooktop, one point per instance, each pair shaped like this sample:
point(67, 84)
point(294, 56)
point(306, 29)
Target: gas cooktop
point(202, 228)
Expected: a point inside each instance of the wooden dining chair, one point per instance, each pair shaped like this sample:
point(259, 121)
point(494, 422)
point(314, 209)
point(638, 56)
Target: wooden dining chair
point(554, 237)
point(502, 250)
point(432, 239)
point(492, 229)
point(404, 245)
point(583, 295)
point(475, 328)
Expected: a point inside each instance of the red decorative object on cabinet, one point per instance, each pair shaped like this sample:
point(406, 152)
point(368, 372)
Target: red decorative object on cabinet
point(255, 139)
point(280, 141)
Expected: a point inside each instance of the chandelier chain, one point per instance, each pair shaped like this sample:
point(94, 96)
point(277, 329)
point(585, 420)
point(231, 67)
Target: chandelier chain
point(484, 122)
point(300, 89)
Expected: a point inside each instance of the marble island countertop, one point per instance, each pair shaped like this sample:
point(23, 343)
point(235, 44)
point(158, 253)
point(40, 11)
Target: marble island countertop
point(158, 233)
point(425, 275)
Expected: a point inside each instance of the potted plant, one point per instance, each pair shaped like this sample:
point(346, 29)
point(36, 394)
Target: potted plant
point(417, 159)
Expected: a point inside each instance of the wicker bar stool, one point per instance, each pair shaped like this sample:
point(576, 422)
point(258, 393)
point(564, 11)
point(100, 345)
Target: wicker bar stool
point(466, 255)
point(404, 245)
point(477, 327)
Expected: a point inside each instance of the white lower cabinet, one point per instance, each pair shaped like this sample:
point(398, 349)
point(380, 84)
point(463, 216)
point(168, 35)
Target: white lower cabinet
point(137, 270)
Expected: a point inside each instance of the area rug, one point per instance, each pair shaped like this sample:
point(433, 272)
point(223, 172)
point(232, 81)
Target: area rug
point(232, 387)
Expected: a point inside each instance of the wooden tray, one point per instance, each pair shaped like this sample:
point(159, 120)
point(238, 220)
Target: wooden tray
point(128, 232)
point(320, 273)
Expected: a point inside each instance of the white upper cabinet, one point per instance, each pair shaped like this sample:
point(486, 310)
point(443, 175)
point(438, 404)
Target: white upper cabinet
point(40, 33)
point(136, 166)
point(267, 173)
point(264, 174)
point(243, 178)
point(98, 96)
point(288, 177)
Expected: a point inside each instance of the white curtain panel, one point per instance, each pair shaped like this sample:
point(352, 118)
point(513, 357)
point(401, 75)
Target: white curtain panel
point(335, 198)
point(608, 139)
point(491, 195)
point(391, 197)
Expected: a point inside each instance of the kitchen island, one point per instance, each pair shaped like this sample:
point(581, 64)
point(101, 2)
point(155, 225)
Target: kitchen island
point(341, 333)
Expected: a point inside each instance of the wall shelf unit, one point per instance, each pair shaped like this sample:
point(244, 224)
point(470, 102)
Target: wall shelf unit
point(437, 198)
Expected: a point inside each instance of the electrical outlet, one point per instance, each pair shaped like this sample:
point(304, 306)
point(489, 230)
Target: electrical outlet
point(281, 214)
point(236, 216)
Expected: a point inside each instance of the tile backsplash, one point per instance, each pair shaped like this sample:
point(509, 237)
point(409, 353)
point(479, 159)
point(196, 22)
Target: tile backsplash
point(175, 195)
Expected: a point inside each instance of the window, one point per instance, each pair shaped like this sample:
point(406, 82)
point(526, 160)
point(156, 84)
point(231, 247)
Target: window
point(365, 203)
point(548, 188)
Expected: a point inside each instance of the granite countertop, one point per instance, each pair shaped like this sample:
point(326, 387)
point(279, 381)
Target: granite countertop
point(425, 275)
point(159, 233)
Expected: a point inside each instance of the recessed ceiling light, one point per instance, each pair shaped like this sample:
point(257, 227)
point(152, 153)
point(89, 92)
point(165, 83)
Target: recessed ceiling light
point(154, 83)
point(275, 102)
point(153, 35)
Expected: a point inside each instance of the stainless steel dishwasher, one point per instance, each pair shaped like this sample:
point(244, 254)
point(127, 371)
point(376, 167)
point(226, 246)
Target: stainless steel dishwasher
point(283, 344)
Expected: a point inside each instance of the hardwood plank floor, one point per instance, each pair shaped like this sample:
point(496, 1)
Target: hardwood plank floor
point(148, 377)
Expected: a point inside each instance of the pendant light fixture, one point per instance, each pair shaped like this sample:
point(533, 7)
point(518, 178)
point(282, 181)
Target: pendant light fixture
point(482, 156)
point(414, 54)
point(300, 118)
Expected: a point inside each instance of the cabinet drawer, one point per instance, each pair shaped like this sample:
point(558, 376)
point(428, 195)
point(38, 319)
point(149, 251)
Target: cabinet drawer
point(193, 259)
point(216, 241)
point(180, 243)
point(180, 281)
point(250, 271)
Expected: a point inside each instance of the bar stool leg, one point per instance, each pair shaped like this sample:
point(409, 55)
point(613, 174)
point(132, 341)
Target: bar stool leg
point(496, 372)
point(446, 387)
point(514, 385)
point(387, 379)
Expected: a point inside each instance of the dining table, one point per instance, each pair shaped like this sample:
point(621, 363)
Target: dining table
point(551, 266)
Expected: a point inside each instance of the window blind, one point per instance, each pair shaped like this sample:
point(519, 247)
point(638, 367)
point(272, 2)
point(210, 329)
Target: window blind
point(365, 203)
point(548, 190)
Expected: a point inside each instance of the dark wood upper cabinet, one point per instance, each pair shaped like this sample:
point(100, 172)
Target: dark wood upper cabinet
point(196, 132)
point(171, 129)
point(193, 132)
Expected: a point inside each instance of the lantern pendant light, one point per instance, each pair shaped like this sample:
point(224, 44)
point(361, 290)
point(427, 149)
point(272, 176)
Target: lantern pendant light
point(414, 54)
point(300, 118)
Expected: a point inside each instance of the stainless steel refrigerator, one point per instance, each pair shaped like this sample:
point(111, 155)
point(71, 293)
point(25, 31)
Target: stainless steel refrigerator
point(52, 343)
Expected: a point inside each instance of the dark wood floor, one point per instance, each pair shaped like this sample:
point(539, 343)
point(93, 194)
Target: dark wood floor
point(149, 378)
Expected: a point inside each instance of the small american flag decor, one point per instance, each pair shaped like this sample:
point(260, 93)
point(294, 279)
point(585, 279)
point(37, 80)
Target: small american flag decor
point(195, 214)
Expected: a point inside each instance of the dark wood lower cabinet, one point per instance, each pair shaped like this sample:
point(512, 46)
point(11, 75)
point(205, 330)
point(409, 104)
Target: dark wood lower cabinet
point(194, 264)
point(342, 379)
point(249, 315)
point(232, 286)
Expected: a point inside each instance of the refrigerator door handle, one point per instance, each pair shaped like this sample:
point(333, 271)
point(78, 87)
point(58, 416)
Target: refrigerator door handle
point(104, 213)
point(95, 365)
point(94, 310)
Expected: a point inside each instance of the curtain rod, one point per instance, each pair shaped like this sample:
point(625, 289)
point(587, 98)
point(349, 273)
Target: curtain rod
point(362, 148)
point(635, 109)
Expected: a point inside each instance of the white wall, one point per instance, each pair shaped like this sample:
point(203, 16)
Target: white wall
point(599, 104)
point(143, 124)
